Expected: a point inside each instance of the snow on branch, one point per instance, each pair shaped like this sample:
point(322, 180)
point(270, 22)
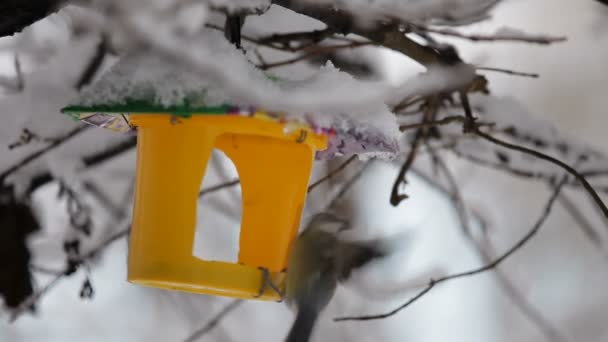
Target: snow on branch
point(450, 12)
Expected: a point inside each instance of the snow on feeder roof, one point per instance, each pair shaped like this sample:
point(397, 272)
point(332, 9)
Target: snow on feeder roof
point(179, 119)
point(149, 84)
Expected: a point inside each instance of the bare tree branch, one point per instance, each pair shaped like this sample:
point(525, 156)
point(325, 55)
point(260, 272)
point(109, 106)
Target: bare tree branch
point(388, 35)
point(349, 183)
point(525, 173)
point(332, 173)
point(509, 72)
point(312, 52)
point(94, 64)
point(89, 161)
point(214, 321)
point(218, 187)
point(496, 37)
point(490, 266)
point(596, 198)
point(526, 308)
point(78, 260)
point(103, 199)
point(58, 142)
point(234, 182)
point(550, 332)
point(582, 221)
point(440, 122)
point(429, 116)
point(18, 74)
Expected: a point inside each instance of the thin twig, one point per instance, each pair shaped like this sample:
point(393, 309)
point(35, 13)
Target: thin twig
point(283, 39)
point(521, 172)
point(509, 72)
point(428, 124)
point(486, 267)
point(218, 187)
point(596, 198)
point(396, 198)
point(551, 333)
point(44, 270)
point(19, 74)
point(332, 173)
point(429, 114)
point(214, 321)
point(349, 183)
point(29, 301)
point(310, 187)
point(110, 240)
point(444, 121)
point(499, 36)
point(94, 64)
point(87, 162)
point(406, 103)
point(454, 193)
point(584, 224)
point(519, 299)
point(103, 199)
point(56, 143)
point(470, 127)
point(318, 50)
point(79, 259)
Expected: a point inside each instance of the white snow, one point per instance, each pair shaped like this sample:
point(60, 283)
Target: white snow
point(434, 11)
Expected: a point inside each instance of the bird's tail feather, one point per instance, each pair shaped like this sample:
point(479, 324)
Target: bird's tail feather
point(303, 324)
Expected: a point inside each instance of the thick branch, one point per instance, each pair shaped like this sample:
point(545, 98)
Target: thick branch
point(215, 320)
point(388, 35)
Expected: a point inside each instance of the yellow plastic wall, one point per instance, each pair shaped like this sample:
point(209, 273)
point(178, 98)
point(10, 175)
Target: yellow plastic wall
point(274, 170)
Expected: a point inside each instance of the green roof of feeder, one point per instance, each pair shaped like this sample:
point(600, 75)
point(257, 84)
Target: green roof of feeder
point(142, 106)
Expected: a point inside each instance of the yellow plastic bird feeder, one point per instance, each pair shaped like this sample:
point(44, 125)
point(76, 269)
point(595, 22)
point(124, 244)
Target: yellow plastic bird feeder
point(274, 170)
point(274, 162)
point(273, 155)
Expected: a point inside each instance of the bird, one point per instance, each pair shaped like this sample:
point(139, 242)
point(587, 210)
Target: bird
point(318, 261)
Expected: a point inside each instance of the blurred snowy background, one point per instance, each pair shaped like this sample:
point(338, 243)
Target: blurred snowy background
point(560, 273)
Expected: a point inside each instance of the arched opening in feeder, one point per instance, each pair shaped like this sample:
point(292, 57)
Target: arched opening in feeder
point(219, 212)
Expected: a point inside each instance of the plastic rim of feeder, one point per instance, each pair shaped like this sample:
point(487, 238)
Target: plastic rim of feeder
point(173, 149)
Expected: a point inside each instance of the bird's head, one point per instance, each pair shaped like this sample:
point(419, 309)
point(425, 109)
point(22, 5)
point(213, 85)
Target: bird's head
point(328, 222)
